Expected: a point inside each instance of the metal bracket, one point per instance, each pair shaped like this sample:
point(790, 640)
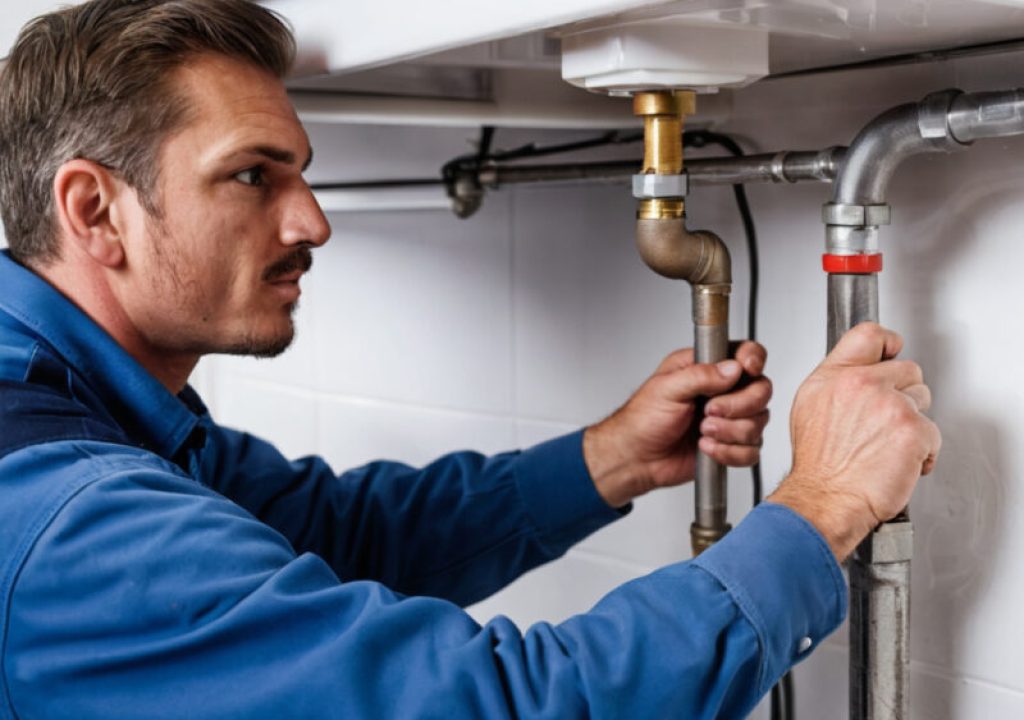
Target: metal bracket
point(649, 186)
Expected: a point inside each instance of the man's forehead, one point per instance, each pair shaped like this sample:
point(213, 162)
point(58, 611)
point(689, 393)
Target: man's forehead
point(235, 105)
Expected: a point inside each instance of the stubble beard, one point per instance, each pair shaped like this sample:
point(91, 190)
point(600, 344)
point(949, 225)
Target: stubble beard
point(169, 282)
point(264, 347)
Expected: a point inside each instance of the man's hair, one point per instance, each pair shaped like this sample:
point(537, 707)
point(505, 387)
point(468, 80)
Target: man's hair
point(95, 81)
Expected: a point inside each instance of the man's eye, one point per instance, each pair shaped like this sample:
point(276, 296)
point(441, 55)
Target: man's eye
point(251, 176)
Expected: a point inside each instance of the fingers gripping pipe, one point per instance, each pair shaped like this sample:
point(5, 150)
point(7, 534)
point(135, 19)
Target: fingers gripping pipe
point(699, 257)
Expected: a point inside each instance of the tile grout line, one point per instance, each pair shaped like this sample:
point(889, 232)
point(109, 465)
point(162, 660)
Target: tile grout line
point(313, 394)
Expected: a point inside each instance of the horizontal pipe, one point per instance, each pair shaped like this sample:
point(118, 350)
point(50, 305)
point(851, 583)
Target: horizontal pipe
point(987, 114)
point(781, 167)
point(787, 166)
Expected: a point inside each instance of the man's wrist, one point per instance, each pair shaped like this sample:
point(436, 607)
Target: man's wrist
point(841, 519)
point(617, 477)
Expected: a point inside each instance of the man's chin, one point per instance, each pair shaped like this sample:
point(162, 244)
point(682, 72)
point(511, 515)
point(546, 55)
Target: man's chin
point(260, 347)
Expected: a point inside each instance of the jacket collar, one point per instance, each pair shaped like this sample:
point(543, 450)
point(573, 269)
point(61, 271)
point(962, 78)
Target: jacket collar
point(148, 413)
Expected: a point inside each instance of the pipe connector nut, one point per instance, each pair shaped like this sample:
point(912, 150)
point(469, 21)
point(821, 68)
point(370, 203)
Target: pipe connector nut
point(933, 117)
point(856, 215)
point(653, 185)
point(891, 542)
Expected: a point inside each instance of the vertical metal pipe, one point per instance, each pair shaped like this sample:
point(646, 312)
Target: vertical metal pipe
point(879, 637)
point(852, 299)
point(700, 258)
point(880, 568)
point(711, 344)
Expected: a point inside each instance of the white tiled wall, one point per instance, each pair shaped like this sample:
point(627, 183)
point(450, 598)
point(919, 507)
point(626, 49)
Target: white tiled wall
point(420, 333)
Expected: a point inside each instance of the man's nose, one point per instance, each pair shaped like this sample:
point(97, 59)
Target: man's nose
point(304, 220)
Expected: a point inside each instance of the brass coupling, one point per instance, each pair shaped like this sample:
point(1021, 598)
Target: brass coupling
point(663, 112)
point(661, 209)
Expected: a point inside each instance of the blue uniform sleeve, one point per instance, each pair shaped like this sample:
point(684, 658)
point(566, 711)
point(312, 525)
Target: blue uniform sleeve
point(459, 529)
point(146, 595)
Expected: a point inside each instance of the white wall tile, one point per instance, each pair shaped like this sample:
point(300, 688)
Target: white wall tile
point(591, 321)
point(533, 432)
point(556, 591)
point(281, 415)
point(415, 307)
point(353, 432)
point(942, 697)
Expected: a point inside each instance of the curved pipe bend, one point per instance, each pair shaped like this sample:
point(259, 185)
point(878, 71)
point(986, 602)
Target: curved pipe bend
point(699, 257)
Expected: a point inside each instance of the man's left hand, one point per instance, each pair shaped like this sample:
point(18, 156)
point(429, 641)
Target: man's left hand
point(652, 440)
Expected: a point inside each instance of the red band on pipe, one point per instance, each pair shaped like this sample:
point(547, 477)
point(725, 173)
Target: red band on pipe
point(852, 264)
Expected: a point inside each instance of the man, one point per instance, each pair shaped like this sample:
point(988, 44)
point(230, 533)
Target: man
point(156, 565)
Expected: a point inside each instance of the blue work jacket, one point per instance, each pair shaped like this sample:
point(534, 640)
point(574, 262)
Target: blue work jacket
point(154, 564)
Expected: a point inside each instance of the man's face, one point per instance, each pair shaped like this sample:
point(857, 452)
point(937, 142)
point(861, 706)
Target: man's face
point(219, 270)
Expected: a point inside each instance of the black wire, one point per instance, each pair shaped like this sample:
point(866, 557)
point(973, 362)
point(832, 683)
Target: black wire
point(782, 701)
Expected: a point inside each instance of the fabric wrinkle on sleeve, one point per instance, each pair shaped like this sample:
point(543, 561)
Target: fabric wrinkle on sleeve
point(459, 528)
point(785, 580)
point(150, 596)
point(559, 494)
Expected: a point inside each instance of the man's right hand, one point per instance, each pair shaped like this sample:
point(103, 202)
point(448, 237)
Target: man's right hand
point(860, 440)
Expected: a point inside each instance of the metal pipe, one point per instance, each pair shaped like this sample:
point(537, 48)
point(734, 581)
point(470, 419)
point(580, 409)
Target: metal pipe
point(788, 166)
point(852, 299)
point(699, 257)
point(987, 114)
point(880, 567)
point(702, 259)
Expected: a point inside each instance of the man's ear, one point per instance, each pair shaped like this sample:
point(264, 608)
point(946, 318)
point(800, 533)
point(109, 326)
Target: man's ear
point(84, 192)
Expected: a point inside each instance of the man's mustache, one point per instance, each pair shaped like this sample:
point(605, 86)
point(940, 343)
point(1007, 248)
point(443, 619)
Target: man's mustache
point(299, 259)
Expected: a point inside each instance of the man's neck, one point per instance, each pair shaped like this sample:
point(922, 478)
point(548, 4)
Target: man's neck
point(93, 297)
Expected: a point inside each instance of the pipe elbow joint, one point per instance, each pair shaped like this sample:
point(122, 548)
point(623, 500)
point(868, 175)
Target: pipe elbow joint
point(699, 257)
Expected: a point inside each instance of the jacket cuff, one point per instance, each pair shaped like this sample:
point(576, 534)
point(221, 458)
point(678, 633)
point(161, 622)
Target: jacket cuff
point(786, 581)
point(559, 494)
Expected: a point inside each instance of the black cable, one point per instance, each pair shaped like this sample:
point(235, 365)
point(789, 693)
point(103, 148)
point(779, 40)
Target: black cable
point(782, 701)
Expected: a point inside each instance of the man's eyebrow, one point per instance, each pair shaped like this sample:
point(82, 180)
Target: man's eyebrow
point(280, 155)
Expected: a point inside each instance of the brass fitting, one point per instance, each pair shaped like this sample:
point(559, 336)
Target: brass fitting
point(661, 209)
point(663, 112)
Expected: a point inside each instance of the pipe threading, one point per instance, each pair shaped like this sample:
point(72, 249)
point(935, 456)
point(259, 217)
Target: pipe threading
point(661, 209)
